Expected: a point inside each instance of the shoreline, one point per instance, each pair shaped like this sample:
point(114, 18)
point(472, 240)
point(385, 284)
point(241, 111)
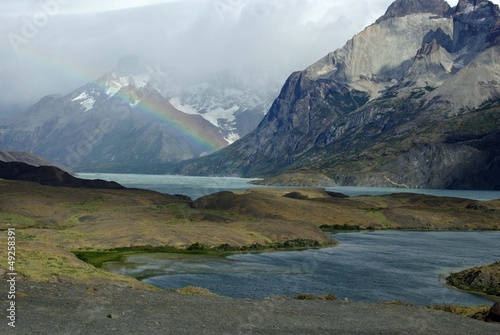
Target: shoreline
point(210, 256)
point(111, 255)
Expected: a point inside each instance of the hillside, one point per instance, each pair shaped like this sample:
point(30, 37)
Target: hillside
point(24, 157)
point(50, 176)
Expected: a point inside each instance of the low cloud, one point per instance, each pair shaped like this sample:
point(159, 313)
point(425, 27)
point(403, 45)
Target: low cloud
point(53, 46)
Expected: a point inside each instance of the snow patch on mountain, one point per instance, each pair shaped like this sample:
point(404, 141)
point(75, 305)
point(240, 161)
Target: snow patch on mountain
point(232, 137)
point(88, 104)
point(232, 102)
point(176, 102)
point(215, 115)
point(83, 95)
point(86, 101)
point(218, 116)
point(114, 83)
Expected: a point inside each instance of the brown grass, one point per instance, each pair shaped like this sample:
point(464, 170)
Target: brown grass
point(474, 312)
point(51, 222)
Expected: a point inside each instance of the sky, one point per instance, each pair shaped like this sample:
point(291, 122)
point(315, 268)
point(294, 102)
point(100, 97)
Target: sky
point(55, 46)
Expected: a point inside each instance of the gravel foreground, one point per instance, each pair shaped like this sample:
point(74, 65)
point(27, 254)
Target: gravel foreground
point(66, 308)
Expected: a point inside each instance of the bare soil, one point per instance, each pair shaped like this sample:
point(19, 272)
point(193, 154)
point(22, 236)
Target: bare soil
point(72, 309)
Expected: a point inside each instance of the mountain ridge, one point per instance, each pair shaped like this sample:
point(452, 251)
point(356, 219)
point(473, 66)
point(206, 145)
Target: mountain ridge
point(350, 116)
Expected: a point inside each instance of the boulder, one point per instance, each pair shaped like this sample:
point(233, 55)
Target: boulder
point(494, 314)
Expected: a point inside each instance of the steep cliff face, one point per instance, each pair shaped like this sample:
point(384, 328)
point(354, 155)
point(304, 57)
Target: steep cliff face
point(382, 109)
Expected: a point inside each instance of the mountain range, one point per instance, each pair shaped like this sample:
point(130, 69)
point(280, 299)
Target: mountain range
point(135, 116)
point(411, 101)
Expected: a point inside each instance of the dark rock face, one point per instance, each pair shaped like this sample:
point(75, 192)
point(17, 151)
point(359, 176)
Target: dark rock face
point(475, 25)
point(406, 7)
point(464, 4)
point(449, 165)
point(494, 314)
point(298, 117)
point(422, 120)
point(50, 176)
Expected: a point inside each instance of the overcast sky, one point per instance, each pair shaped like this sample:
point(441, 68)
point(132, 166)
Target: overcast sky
point(55, 46)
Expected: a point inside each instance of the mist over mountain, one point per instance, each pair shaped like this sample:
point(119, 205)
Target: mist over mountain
point(76, 42)
point(411, 101)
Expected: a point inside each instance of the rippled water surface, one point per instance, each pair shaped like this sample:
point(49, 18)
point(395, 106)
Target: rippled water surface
point(369, 266)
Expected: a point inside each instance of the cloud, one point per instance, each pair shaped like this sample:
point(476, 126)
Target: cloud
point(27, 7)
point(54, 46)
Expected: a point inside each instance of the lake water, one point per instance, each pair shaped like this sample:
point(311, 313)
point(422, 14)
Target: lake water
point(196, 187)
point(369, 266)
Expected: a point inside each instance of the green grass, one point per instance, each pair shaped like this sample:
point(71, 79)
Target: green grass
point(98, 257)
point(379, 217)
point(16, 219)
point(90, 206)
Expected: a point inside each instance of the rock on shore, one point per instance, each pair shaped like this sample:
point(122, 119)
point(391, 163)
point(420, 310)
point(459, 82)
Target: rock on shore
point(484, 279)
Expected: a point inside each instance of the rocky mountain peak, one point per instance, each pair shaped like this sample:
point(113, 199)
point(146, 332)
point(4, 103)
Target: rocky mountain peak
point(468, 5)
point(401, 8)
point(380, 111)
point(476, 20)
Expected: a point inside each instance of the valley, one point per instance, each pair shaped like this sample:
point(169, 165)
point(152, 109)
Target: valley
point(411, 102)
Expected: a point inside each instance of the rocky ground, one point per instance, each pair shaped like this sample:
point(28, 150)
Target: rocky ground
point(483, 279)
point(65, 308)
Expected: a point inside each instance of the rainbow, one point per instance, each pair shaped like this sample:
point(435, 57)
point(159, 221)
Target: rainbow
point(148, 107)
point(156, 111)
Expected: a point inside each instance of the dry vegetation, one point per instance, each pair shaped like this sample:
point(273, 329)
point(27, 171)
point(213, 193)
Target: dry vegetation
point(397, 211)
point(51, 223)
